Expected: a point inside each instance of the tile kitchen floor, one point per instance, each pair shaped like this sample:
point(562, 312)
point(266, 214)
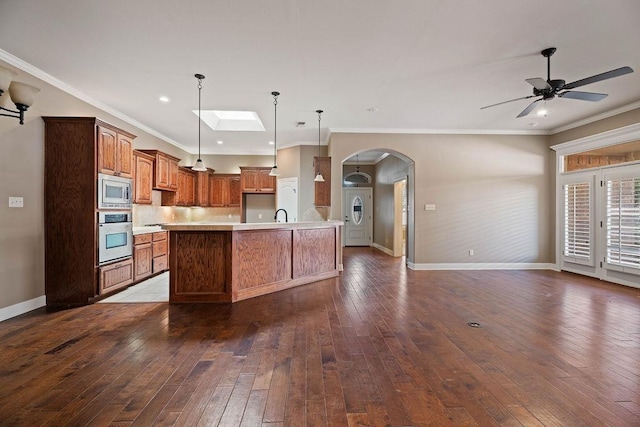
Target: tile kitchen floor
point(155, 289)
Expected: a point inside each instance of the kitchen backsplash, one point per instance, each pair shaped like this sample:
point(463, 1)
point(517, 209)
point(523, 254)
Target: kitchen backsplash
point(158, 214)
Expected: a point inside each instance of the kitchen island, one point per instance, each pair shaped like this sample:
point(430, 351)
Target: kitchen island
point(229, 262)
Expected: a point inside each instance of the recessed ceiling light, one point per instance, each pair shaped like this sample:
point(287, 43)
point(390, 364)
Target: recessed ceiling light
point(373, 109)
point(164, 99)
point(232, 120)
point(270, 142)
point(220, 142)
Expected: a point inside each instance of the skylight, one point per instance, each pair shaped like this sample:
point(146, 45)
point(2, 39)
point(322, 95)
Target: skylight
point(231, 120)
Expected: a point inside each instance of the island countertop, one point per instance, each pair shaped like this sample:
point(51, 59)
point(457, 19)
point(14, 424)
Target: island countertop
point(242, 226)
point(229, 262)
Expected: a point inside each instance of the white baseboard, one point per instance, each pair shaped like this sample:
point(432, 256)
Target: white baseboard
point(382, 248)
point(484, 266)
point(22, 308)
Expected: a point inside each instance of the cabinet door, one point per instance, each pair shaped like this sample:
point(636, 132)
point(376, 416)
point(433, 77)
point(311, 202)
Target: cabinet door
point(143, 168)
point(173, 174)
point(162, 173)
point(124, 156)
point(107, 151)
point(217, 190)
point(267, 182)
point(142, 261)
point(323, 189)
point(250, 181)
point(189, 189)
point(235, 192)
point(202, 189)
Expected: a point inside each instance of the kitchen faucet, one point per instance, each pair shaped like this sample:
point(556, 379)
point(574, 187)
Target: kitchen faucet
point(286, 217)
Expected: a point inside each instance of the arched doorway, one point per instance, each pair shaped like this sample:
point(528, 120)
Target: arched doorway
point(380, 170)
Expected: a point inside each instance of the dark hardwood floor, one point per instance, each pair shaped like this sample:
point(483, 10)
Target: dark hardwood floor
point(380, 345)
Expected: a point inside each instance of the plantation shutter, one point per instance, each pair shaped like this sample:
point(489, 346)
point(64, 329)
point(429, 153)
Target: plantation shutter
point(577, 223)
point(623, 224)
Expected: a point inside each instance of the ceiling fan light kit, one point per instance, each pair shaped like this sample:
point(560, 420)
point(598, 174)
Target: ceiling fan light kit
point(549, 89)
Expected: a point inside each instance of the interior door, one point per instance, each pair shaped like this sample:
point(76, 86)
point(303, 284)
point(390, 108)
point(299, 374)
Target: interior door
point(287, 198)
point(358, 216)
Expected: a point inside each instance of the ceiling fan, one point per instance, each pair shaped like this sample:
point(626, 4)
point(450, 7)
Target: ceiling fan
point(549, 89)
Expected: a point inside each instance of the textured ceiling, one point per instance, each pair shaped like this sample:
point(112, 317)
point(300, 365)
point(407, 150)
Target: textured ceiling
point(422, 66)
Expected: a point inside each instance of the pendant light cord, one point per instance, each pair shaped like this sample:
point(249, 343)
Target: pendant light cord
point(275, 125)
point(199, 109)
point(319, 118)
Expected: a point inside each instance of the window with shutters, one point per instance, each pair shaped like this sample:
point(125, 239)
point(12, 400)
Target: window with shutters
point(577, 223)
point(623, 224)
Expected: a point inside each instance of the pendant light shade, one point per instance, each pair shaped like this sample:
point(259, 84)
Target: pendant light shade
point(319, 177)
point(199, 165)
point(274, 170)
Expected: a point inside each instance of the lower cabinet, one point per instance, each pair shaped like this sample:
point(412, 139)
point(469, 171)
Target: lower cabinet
point(149, 254)
point(160, 245)
point(116, 275)
point(142, 256)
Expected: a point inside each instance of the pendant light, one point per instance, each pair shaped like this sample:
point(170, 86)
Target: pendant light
point(319, 177)
point(274, 170)
point(199, 165)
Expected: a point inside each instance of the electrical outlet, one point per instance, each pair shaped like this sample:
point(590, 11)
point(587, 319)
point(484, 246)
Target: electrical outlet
point(16, 202)
point(259, 216)
point(470, 252)
point(429, 207)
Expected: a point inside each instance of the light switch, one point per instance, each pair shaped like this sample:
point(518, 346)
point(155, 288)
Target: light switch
point(429, 207)
point(16, 202)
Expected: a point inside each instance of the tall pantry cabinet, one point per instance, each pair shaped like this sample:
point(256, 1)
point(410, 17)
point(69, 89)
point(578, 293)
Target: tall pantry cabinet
point(76, 148)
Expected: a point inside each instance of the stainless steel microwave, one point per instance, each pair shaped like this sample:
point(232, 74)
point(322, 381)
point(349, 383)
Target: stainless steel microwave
point(114, 192)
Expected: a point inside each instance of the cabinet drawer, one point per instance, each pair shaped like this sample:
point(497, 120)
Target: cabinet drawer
point(159, 263)
point(159, 248)
point(141, 239)
point(117, 275)
point(159, 235)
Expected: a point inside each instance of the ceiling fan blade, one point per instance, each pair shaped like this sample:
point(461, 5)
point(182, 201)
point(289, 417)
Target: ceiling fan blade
point(504, 102)
point(599, 77)
point(529, 109)
point(539, 83)
point(583, 96)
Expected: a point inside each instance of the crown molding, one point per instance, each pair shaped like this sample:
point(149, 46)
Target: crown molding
point(48, 78)
point(597, 117)
point(441, 131)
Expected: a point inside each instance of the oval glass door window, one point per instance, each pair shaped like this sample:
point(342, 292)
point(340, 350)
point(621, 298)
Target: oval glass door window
point(356, 210)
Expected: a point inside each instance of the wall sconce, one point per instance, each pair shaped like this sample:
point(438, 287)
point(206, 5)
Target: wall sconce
point(22, 94)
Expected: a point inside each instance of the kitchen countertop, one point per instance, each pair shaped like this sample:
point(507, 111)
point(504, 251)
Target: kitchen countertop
point(238, 226)
point(146, 229)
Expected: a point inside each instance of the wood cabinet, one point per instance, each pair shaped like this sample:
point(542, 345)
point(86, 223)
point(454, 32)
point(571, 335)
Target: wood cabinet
point(115, 151)
point(202, 188)
point(322, 189)
point(115, 276)
point(160, 251)
point(165, 173)
point(142, 177)
point(224, 190)
point(185, 194)
point(257, 180)
point(150, 252)
point(75, 150)
point(142, 256)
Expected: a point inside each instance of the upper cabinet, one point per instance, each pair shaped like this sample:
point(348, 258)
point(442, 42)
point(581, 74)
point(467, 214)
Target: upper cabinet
point(257, 180)
point(115, 151)
point(165, 176)
point(224, 190)
point(142, 177)
point(185, 194)
point(322, 189)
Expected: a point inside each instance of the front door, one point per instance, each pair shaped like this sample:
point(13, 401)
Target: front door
point(358, 216)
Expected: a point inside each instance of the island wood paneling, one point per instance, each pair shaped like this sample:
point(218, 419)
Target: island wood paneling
point(200, 265)
point(315, 251)
point(263, 257)
point(249, 262)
